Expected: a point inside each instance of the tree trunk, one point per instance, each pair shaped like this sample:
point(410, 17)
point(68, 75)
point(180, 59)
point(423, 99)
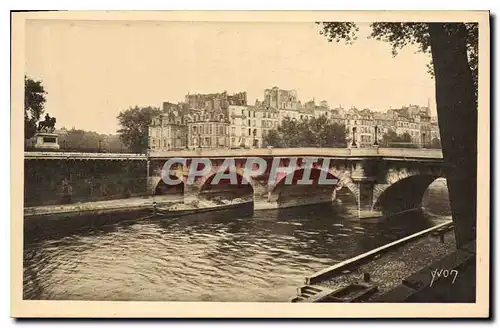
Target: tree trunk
point(457, 115)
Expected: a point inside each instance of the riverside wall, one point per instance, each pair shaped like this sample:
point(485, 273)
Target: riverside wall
point(53, 182)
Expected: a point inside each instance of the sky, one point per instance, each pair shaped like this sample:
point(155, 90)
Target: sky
point(92, 70)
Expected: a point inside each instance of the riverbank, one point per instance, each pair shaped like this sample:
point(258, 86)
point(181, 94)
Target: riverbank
point(391, 268)
point(100, 207)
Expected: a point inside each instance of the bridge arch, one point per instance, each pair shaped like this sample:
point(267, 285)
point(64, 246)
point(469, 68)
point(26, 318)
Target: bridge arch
point(224, 189)
point(284, 194)
point(404, 194)
point(162, 188)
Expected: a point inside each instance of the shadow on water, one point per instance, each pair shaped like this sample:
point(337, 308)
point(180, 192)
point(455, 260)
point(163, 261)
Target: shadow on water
point(59, 226)
point(53, 227)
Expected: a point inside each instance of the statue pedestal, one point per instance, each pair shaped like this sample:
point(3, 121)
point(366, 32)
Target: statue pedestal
point(46, 140)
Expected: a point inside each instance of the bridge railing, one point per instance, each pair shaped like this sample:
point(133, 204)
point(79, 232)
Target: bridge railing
point(410, 152)
point(306, 151)
point(75, 155)
point(256, 152)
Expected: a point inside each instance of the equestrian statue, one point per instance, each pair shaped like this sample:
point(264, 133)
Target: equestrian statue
point(48, 125)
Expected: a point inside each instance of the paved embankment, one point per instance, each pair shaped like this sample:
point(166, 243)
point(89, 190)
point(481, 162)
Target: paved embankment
point(388, 266)
point(99, 207)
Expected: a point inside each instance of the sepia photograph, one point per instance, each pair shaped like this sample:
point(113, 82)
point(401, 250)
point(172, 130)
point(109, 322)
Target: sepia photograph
point(244, 161)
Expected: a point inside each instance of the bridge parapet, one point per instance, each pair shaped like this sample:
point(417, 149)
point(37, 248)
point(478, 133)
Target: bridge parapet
point(352, 153)
point(411, 153)
point(33, 155)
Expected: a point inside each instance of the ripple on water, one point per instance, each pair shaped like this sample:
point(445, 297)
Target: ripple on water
point(248, 259)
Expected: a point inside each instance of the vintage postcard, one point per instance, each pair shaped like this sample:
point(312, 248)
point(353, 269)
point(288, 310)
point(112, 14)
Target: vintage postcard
point(250, 164)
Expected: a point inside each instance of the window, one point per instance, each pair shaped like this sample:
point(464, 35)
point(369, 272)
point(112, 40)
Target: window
point(249, 132)
point(248, 122)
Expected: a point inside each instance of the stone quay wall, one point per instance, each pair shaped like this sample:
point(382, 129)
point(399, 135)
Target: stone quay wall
point(60, 181)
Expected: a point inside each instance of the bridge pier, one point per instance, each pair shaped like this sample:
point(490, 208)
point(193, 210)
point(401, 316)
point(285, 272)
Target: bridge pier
point(364, 176)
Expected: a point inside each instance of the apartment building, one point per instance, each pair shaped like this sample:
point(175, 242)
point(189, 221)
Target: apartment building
point(222, 120)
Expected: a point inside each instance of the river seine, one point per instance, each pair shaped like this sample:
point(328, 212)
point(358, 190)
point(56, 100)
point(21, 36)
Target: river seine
point(261, 257)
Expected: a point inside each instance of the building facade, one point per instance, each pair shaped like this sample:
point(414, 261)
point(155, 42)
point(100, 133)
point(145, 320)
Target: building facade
point(250, 124)
point(222, 120)
point(208, 131)
point(167, 132)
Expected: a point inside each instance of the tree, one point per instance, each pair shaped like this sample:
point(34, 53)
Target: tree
point(389, 137)
point(313, 132)
point(435, 143)
point(272, 138)
point(134, 124)
point(34, 102)
point(405, 137)
point(89, 141)
point(454, 51)
point(393, 140)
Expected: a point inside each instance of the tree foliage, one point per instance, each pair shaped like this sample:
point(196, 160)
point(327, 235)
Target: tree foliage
point(313, 132)
point(90, 141)
point(34, 102)
point(435, 143)
point(134, 124)
point(399, 35)
point(393, 140)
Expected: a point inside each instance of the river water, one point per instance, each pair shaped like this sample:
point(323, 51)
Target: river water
point(260, 257)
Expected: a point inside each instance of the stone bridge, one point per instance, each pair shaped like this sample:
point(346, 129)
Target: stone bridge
point(376, 179)
point(389, 180)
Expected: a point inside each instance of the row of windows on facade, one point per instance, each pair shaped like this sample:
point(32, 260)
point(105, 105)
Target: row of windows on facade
point(381, 122)
point(208, 129)
point(407, 124)
point(370, 130)
point(251, 113)
point(156, 132)
point(243, 141)
point(157, 143)
point(207, 141)
point(264, 123)
point(243, 131)
point(186, 119)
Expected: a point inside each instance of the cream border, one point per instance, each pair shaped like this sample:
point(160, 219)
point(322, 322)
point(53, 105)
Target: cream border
point(21, 308)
